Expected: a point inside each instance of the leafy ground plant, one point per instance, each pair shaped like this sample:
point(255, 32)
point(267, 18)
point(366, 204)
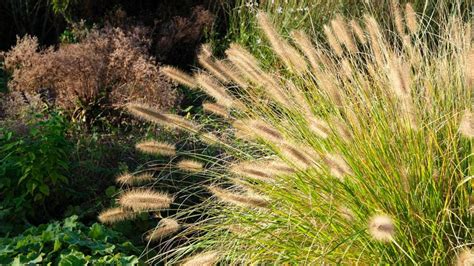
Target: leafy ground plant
point(353, 150)
point(32, 167)
point(68, 243)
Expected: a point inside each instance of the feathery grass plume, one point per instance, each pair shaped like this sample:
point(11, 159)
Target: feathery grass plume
point(277, 167)
point(216, 109)
point(346, 68)
point(145, 200)
point(297, 155)
point(400, 81)
point(372, 71)
point(248, 66)
point(381, 228)
point(346, 213)
point(229, 70)
point(274, 90)
point(414, 56)
point(352, 121)
point(156, 148)
point(129, 179)
point(297, 60)
point(243, 131)
point(245, 62)
point(319, 126)
point(338, 166)
point(179, 76)
point(243, 200)
point(208, 258)
point(288, 54)
point(375, 36)
point(208, 63)
point(399, 78)
point(397, 17)
point(190, 165)
point(206, 50)
point(466, 126)
point(341, 129)
point(326, 61)
point(298, 98)
point(469, 68)
point(411, 20)
point(114, 215)
point(341, 32)
point(253, 170)
point(304, 43)
point(327, 85)
point(359, 33)
point(170, 120)
point(124, 178)
point(264, 130)
point(241, 183)
point(165, 227)
point(243, 54)
point(465, 258)
point(332, 41)
point(210, 139)
point(213, 89)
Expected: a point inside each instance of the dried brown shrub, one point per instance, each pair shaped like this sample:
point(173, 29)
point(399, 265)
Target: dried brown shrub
point(177, 39)
point(17, 109)
point(109, 64)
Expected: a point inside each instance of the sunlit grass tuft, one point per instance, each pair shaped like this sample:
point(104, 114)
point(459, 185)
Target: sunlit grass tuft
point(357, 149)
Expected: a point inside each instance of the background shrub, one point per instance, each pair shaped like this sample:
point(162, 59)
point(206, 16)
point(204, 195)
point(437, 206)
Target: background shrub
point(106, 67)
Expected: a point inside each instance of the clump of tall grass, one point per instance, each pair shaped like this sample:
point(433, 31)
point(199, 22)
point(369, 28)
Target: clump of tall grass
point(357, 149)
point(311, 15)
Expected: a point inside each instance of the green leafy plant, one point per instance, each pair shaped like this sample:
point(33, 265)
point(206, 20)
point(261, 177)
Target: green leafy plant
point(68, 243)
point(32, 166)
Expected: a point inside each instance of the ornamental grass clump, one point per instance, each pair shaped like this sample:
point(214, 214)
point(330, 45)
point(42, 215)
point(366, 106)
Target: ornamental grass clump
point(356, 149)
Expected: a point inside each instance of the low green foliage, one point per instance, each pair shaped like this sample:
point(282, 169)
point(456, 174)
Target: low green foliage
point(68, 243)
point(32, 167)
